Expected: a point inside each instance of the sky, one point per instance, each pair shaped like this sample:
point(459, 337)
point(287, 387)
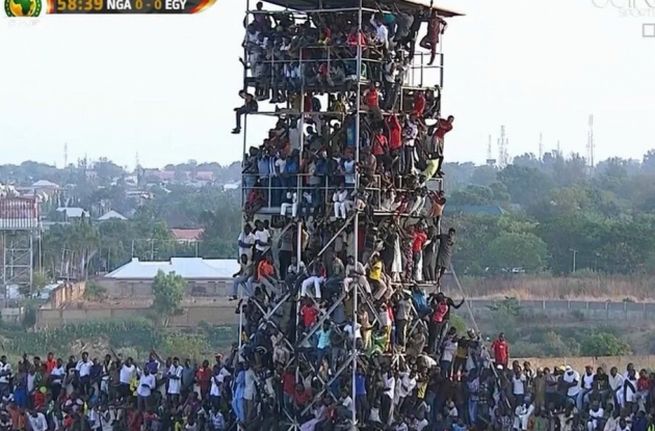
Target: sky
point(164, 87)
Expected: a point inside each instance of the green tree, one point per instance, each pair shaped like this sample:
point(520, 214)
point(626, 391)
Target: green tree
point(604, 344)
point(512, 250)
point(168, 291)
point(525, 185)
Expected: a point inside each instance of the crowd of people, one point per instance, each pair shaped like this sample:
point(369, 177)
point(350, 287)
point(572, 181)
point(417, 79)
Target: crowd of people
point(265, 385)
point(310, 164)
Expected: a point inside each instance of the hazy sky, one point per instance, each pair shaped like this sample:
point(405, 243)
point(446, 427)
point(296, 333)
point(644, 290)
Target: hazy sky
point(165, 86)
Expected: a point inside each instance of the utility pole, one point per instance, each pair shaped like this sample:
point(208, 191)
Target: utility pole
point(541, 146)
point(574, 252)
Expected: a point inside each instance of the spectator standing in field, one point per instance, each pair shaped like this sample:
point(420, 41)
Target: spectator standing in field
point(500, 350)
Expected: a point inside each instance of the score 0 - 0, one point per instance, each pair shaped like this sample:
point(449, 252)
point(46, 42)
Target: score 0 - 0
point(138, 5)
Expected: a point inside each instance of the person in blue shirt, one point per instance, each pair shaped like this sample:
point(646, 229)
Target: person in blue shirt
point(323, 343)
point(361, 397)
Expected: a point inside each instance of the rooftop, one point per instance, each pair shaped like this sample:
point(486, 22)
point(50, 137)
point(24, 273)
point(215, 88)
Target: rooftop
point(305, 5)
point(187, 267)
point(186, 234)
point(112, 215)
point(73, 212)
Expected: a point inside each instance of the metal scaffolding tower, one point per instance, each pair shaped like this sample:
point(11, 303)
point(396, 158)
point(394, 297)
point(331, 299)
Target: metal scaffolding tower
point(419, 77)
point(19, 229)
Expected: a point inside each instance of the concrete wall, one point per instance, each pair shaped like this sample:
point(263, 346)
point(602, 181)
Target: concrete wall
point(13, 315)
point(66, 292)
point(640, 361)
point(590, 310)
point(219, 314)
point(143, 288)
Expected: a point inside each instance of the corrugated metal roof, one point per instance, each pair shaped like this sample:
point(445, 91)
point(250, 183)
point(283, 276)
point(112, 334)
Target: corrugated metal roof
point(19, 213)
point(112, 215)
point(372, 4)
point(187, 267)
point(73, 212)
point(182, 234)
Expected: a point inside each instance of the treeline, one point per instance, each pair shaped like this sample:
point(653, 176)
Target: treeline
point(86, 247)
point(551, 214)
point(554, 214)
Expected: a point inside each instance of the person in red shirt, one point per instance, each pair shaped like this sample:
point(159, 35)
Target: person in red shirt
point(288, 384)
point(395, 133)
point(500, 349)
point(395, 142)
point(437, 322)
point(203, 377)
point(419, 104)
point(352, 38)
point(267, 274)
point(419, 237)
point(372, 100)
point(308, 314)
point(380, 149)
point(436, 27)
point(50, 363)
point(443, 127)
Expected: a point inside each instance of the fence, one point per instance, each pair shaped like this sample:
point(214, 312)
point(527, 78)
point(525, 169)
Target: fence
point(592, 310)
point(218, 314)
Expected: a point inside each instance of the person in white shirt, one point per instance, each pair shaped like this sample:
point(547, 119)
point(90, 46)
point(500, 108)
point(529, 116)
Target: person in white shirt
point(57, 376)
point(83, 369)
point(174, 380)
point(5, 376)
point(410, 132)
point(616, 385)
point(147, 383)
point(572, 380)
point(587, 385)
point(37, 421)
point(355, 272)
point(246, 241)
point(387, 397)
point(125, 377)
point(630, 388)
point(381, 32)
point(99, 418)
point(291, 202)
point(448, 350)
point(596, 414)
point(313, 280)
point(522, 415)
point(216, 419)
point(262, 240)
point(341, 203)
point(518, 386)
point(405, 384)
point(250, 392)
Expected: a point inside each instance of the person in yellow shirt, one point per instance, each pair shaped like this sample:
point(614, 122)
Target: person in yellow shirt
point(377, 279)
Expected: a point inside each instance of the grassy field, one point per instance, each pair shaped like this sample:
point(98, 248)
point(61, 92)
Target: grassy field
point(585, 285)
point(130, 338)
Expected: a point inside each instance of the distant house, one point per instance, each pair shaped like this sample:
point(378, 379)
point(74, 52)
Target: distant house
point(187, 236)
point(204, 277)
point(112, 215)
point(232, 186)
point(45, 186)
point(73, 212)
point(207, 176)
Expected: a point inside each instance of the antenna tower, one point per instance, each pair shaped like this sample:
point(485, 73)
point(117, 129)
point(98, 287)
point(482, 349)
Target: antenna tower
point(590, 142)
point(503, 157)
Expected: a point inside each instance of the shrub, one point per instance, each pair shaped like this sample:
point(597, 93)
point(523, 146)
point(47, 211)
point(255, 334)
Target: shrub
point(604, 344)
point(94, 292)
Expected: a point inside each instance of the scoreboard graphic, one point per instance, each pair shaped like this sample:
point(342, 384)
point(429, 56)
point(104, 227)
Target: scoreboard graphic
point(34, 8)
